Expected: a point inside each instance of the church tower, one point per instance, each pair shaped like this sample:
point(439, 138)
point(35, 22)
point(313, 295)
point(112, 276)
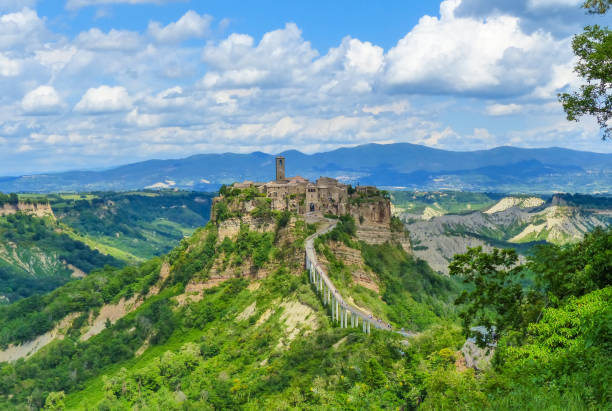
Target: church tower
point(280, 168)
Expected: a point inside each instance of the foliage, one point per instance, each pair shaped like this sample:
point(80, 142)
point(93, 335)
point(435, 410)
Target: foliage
point(234, 347)
point(574, 269)
point(498, 297)
point(496, 300)
point(566, 359)
point(262, 208)
point(144, 224)
point(221, 212)
point(397, 225)
point(593, 48)
point(283, 219)
point(597, 6)
point(11, 198)
point(414, 294)
point(39, 254)
point(33, 316)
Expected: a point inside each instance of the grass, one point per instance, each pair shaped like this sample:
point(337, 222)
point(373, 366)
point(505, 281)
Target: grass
point(104, 248)
point(446, 202)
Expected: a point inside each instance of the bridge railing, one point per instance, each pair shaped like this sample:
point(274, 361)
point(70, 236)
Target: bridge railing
point(342, 312)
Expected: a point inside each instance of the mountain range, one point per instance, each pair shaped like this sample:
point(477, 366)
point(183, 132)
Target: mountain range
point(401, 165)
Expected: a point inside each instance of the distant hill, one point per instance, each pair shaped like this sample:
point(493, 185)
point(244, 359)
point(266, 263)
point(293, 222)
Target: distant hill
point(47, 240)
point(502, 169)
point(441, 224)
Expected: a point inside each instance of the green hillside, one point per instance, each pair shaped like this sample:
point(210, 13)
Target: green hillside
point(233, 323)
point(140, 224)
point(245, 343)
point(441, 202)
point(36, 257)
point(79, 233)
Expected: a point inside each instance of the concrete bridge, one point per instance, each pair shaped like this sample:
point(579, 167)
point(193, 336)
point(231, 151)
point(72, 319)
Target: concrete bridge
point(342, 312)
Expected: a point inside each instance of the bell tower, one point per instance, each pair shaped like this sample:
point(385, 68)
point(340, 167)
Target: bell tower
point(280, 168)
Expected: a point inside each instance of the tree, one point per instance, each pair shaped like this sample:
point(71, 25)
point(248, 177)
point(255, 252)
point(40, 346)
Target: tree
point(55, 401)
point(594, 51)
point(597, 6)
point(495, 297)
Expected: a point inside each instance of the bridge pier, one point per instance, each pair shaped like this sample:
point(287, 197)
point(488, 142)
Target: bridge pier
point(338, 309)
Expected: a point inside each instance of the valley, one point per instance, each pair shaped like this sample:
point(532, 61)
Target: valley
point(228, 318)
point(47, 240)
point(440, 228)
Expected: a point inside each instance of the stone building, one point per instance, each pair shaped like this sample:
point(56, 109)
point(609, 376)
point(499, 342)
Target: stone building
point(325, 196)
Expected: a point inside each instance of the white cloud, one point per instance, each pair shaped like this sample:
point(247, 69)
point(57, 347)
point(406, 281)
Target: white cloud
point(9, 67)
point(41, 100)
point(282, 57)
point(503, 109)
point(228, 96)
point(143, 120)
point(55, 58)
point(19, 28)
point(467, 55)
point(77, 4)
point(245, 93)
point(397, 108)
point(95, 39)
point(190, 25)
point(364, 57)
point(104, 99)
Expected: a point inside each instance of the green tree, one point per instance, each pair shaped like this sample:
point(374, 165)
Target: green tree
point(597, 6)
point(55, 401)
point(594, 51)
point(495, 298)
point(375, 375)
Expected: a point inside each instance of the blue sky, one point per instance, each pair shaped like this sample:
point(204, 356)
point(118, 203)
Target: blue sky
point(94, 83)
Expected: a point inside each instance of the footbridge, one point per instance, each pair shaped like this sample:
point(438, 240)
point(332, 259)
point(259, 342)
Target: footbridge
point(342, 312)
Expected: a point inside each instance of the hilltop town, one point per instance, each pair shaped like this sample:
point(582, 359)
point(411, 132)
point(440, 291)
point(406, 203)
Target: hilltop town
point(326, 196)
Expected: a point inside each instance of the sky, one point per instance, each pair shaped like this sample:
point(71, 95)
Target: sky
point(90, 84)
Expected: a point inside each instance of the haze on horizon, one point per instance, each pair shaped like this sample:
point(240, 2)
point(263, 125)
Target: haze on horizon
point(93, 83)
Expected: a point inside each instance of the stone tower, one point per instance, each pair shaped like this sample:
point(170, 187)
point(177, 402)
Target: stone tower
point(280, 168)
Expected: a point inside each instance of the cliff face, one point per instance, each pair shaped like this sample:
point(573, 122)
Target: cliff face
point(373, 212)
point(37, 209)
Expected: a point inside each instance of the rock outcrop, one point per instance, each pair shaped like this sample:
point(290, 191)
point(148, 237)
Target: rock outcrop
point(35, 209)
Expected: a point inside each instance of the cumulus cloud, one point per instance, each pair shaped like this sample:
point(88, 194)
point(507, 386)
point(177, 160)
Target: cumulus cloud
point(190, 25)
point(104, 99)
point(282, 57)
point(19, 28)
point(244, 93)
point(363, 57)
point(95, 39)
point(41, 100)
point(471, 56)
